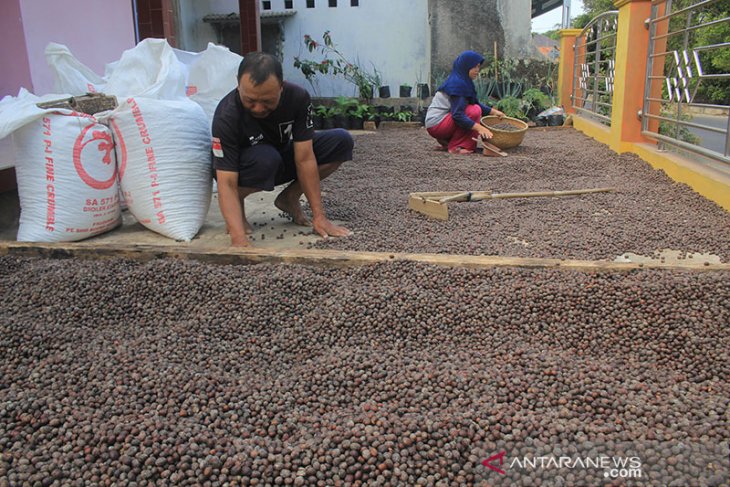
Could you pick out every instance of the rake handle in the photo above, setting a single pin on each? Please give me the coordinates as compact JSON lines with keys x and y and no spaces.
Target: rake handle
{"x":485,"y":195}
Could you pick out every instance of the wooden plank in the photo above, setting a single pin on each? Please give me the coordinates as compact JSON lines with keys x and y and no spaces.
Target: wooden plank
{"x":428,"y":207}
{"x":330,"y":258}
{"x":489,"y":150}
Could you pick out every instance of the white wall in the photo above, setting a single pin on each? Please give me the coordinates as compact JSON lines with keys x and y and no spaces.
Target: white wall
{"x":96,"y":32}
{"x":392,"y":35}
{"x":195,"y":34}
{"x":516,"y":21}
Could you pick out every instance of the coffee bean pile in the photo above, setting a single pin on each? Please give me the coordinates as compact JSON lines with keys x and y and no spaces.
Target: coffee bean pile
{"x":648,"y":213}
{"x":505,"y":127}
{"x":116,"y":372}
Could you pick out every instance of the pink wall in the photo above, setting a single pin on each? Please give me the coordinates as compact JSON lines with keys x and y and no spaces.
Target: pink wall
{"x":13,"y":58}
{"x":96,"y":32}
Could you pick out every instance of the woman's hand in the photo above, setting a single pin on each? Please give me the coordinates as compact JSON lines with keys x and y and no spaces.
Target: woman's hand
{"x":496,"y":113}
{"x":484,"y":132}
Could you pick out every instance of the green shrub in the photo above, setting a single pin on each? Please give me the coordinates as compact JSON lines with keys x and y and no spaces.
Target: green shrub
{"x":512,"y":107}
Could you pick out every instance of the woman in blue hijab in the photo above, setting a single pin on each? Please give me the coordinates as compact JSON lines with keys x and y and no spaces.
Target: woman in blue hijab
{"x":454,"y":116}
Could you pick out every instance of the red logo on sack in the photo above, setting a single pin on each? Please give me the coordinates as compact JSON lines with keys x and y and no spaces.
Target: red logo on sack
{"x":190,"y":90}
{"x":103,"y":142}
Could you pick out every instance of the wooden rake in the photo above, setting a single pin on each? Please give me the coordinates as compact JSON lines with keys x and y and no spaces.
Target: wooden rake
{"x":434,"y":204}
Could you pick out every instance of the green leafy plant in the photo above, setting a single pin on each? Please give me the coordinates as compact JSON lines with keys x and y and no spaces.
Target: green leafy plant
{"x":324,"y":111}
{"x":404,"y":116}
{"x":485,"y":88}
{"x":535,"y":100}
{"x":335,"y":63}
{"x":512,"y":107}
{"x":344,"y":105}
{"x":363,"y":111}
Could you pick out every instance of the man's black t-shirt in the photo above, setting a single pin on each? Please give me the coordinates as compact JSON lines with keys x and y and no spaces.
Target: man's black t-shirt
{"x":235,"y":129}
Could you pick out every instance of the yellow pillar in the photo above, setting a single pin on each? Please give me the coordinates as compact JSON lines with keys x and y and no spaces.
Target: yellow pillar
{"x":565,"y":69}
{"x":632,"y":45}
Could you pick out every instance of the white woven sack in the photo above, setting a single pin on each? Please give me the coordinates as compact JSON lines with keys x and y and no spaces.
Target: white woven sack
{"x":65,"y":167}
{"x":67,"y":178}
{"x":70,"y":75}
{"x":150,"y":69}
{"x":164,"y":152}
{"x":210,"y":75}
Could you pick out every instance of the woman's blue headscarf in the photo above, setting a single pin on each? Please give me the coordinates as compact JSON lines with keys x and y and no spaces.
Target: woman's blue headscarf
{"x":459,"y":83}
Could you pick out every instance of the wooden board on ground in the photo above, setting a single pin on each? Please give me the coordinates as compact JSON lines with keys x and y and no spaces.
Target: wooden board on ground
{"x":330,"y":258}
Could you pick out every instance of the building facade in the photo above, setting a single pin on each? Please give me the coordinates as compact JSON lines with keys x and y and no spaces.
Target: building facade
{"x":406,"y":41}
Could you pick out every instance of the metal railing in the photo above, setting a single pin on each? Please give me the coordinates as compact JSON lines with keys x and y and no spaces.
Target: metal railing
{"x":682,"y":80}
{"x":594,"y":68}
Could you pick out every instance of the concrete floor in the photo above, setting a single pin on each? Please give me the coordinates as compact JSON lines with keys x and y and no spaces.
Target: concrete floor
{"x":272,"y":228}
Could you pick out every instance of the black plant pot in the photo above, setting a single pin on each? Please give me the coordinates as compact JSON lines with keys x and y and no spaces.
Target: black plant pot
{"x":340,"y":121}
{"x":328,"y":123}
{"x":356,"y":123}
{"x":384,"y":92}
{"x":423,"y":91}
{"x":405,"y":91}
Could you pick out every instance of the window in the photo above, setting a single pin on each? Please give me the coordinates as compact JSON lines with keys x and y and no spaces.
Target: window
{"x":354,"y":3}
{"x":333,"y":3}
{"x":288,"y":4}
{"x":310,"y":3}
{"x":267,"y":5}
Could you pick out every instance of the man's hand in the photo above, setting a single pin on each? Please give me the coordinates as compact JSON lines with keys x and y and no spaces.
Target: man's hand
{"x":240,"y":242}
{"x":326,"y":228}
{"x":496,"y":113}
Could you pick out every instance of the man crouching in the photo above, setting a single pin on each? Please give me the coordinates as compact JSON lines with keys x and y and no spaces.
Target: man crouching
{"x":263,"y":136}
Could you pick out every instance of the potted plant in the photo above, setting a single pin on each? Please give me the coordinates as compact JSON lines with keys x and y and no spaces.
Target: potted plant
{"x":343,"y":108}
{"x":319,"y":115}
{"x":405,"y":90}
{"x":423,"y":91}
{"x":403,"y":116}
{"x":338,"y":64}
{"x":328,"y":116}
{"x":383,"y":91}
{"x":535,"y":101}
{"x":359,"y":113}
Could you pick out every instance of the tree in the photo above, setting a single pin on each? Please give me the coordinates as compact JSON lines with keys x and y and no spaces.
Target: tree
{"x":592,"y":8}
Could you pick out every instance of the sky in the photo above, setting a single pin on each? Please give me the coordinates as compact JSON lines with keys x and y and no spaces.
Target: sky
{"x":549,"y":20}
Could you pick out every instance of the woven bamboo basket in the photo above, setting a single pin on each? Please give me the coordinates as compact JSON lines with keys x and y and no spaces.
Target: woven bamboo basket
{"x":505,"y":139}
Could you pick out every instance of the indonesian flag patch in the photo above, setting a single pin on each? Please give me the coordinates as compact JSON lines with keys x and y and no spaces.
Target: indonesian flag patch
{"x":217,"y":149}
